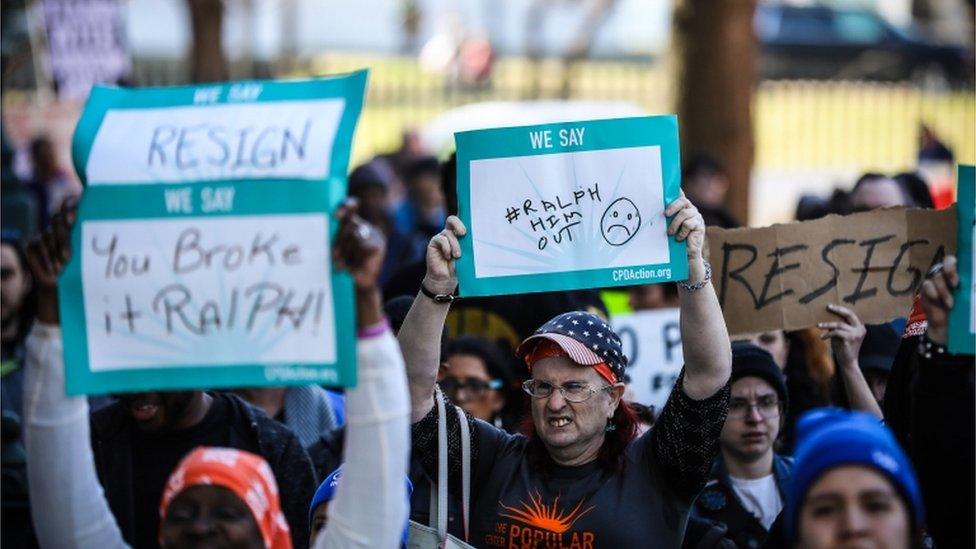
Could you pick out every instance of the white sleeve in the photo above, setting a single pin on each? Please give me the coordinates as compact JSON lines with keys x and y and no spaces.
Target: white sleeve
{"x":370,"y":508}
{"x":66,"y":499}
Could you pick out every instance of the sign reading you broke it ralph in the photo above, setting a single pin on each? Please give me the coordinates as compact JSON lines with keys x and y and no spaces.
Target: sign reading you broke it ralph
{"x":783,"y":276}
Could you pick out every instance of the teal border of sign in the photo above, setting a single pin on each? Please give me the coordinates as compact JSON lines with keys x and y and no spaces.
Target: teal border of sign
{"x":252,"y":197}
{"x":600,"y":135}
{"x":961,"y":340}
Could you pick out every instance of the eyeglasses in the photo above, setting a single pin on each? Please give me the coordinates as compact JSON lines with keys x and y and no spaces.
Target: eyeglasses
{"x":572,"y":391}
{"x":473,"y":386}
{"x":740,"y":408}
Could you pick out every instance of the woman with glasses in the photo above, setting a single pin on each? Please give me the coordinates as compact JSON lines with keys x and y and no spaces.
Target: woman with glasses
{"x":745,"y":492}
{"x":478,"y":378}
{"x":580,"y":478}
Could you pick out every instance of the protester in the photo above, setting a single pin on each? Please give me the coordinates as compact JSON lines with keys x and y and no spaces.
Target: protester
{"x":579,"y":477}
{"x":876,"y":357}
{"x":943,"y":418}
{"x":307,"y":410}
{"x":931,"y":148}
{"x":19,"y":212}
{"x":748,"y":481}
{"x":422,"y":214}
{"x":851,"y":485}
{"x":916,"y":188}
{"x":846,"y":336}
{"x":776,"y":343}
{"x":809,"y":375}
{"x":874,"y":190}
{"x":318,"y":511}
{"x":368,"y":511}
{"x":222,"y":495}
{"x":647,"y":297}
{"x":706,"y":182}
{"x":49,"y":182}
{"x":17,"y":308}
{"x":138,"y":440}
{"x":478,"y":377}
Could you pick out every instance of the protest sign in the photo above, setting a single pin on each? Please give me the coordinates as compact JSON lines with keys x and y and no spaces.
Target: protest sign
{"x":962,"y":318}
{"x":201,"y":253}
{"x":86,"y":45}
{"x":782,"y":277}
{"x":651,"y":341}
{"x":568,"y":206}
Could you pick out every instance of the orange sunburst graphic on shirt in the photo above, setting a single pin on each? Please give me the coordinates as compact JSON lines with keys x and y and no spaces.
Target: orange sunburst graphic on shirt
{"x":538,"y":514}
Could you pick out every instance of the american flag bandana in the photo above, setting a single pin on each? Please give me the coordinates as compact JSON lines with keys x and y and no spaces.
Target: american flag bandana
{"x":585,"y":337}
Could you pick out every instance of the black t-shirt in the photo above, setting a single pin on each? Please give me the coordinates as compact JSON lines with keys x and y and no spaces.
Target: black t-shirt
{"x":156,"y":454}
{"x":514,"y":503}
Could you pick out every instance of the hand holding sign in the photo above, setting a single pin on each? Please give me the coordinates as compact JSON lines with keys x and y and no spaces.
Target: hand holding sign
{"x":442,"y":253}
{"x":687,"y":224}
{"x":359,"y":247}
{"x":846,"y":335}
{"x":47,"y":255}
{"x":937,"y":301}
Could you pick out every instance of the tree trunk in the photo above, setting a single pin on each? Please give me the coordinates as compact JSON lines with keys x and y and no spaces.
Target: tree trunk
{"x":207,"y":60}
{"x":717,"y":50}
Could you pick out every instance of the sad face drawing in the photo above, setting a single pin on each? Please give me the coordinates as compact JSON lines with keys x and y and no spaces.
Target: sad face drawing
{"x":620,"y":222}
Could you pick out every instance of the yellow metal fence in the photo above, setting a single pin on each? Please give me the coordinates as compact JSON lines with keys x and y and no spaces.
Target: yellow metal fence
{"x":798,"y":124}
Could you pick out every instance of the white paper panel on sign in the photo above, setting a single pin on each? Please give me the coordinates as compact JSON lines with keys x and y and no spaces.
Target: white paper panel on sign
{"x":568,"y":212}
{"x":287,"y":139}
{"x":217,"y":291}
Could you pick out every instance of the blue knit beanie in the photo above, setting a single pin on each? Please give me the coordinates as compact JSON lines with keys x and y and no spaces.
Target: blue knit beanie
{"x":326,"y":491}
{"x":829,"y":438}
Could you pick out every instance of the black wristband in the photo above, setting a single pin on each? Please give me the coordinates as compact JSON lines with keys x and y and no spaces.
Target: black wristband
{"x":438,"y":298}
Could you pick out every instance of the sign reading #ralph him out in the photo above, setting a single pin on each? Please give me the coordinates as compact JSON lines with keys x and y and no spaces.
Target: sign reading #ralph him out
{"x":202,"y":247}
{"x":568,"y":206}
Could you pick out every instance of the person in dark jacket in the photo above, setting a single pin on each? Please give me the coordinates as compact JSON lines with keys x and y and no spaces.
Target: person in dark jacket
{"x":942,"y":419}
{"x":139,"y":440}
{"x":748,"y":481}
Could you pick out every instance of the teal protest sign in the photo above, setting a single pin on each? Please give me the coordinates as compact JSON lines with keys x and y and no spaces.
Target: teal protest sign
{"x":568,"y":206}
{"x":962,"y":318}
{"x":201,"y":254}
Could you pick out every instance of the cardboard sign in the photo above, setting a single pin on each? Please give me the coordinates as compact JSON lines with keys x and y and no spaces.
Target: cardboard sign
{"x":568,"y":206}
{"x":202,"y":250}
{"x":962,"y":318}
{"x":782,"y":277}
{"x":651,"y":341}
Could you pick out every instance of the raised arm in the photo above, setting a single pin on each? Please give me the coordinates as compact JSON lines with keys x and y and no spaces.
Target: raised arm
{"x":846,"y":336}
{"x":370,"y":508}
{"x":420,"y":334}
{"x":67,"y":502}
{"x":704,"y":337}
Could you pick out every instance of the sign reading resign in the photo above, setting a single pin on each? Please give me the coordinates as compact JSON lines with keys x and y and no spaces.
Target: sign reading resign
{"x":962,"y":318}
{"x":782,"y":277}
{"x":202,"y":253}
{"x":651,"y":341}
{"x":567,"y":206}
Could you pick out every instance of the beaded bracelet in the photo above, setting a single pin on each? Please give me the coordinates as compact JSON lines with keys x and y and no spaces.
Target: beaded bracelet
{"x":701,"y":283}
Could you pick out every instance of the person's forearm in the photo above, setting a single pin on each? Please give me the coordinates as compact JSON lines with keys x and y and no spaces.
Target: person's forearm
{"x":67,"y":503}
{"x":859,"y":394}
{"x":420,"y":340}
{"x":370,"y":508}
{"x":704,"y":338}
